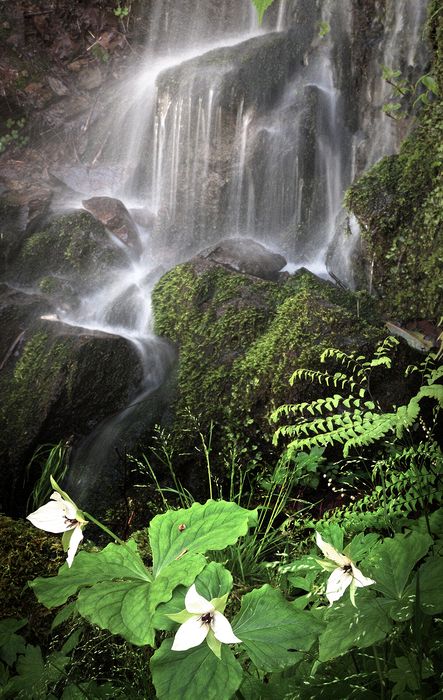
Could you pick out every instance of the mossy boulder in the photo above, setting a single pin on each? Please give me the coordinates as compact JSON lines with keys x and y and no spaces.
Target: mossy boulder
{"x":58,"y":384}
{"x":399,"y":205}
{"x":75,"y":251}
{"x":240,"y":339}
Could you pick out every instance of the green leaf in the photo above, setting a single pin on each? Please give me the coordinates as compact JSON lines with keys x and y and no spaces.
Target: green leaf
{"x":121,"y":607}
{"x":63,"y":615}
{"x":33,"y":675}
{"x":408,"y":673}
{"x":127,"y":607}
{"x":430,"y":83}
{"x":116,"y":590}
{"x":210,"y":526}
{"x":361,"y":545}
{"x":261,"y":7}
{"x":393,"y":559}
{"x":332,"y":533}
{"x":113,"y":562}
{"x":11,"y":644}
{"x":348,"y":627}
{"x":430,"y":586}
{"x":272,"y":630}
{"x":196,"y":673}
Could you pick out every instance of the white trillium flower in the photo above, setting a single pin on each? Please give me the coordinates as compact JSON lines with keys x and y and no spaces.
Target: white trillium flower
{"x":61,"y":515}
{"x":201,"y":620}
{"x":345,"y":575}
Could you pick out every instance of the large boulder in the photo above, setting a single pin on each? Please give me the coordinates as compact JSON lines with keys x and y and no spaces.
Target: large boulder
{"x":247,"y":256}
{"x":71,"y":255}
{"x":212,"y":94}
{"x":240,"y":339}
{"x":56,"y":383}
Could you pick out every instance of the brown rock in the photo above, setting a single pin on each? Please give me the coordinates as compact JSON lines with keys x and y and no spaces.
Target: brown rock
{"x":113,"y":214}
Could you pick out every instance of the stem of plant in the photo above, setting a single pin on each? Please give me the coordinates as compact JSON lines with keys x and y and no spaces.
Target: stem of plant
{"x":103,"y":527}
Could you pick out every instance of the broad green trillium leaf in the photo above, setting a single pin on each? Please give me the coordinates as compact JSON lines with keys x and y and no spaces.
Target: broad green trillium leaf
{"x":127,"y":607}
{"x":195,"y":673}
{"x":393,"y":560}
{"x":203,"y":527}
{"x":348,"y":627}
{"x":272,"y":631}
{"x":116,"y":589}
{"x":113,"y":562}
{"x":430,"y":578}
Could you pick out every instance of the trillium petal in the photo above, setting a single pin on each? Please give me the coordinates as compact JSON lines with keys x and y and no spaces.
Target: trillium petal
{"x":68,"y":508}
{"x":330,"y":552}
{"x":338,"y":582}
{"x":50,"y":517}
{"x":222,"y":629}
{"x":76,"y":538}
{"x":195,"y":603}
{"x":190,"y":634}
{"x":360,"y":580}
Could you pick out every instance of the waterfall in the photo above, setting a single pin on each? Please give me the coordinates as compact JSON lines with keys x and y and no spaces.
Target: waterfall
{"x":224,"y":128}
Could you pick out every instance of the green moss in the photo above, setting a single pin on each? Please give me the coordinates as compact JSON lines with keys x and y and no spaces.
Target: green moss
{"x":240,"y":339}
{"x":28,"y":391}
{"x":399,"y":204}
{"x":26,"y":553}
{"x":76,"y":246}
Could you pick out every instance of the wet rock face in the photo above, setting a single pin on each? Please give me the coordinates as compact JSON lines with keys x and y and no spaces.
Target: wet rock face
{"x":56,"y":383}
{"x":113,"y":214}
{"x":177,"y":22}
{"x":21,"y":213}
{"x":247,"y":256}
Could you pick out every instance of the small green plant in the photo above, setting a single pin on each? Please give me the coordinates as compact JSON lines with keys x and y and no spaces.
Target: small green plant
{"x":261,"y":6}
{"x":423,"y":91}
{"x":324,"y":29}
{"x":120,"y":11}
{"x":55,"y":463}
{"x":14,"y":135}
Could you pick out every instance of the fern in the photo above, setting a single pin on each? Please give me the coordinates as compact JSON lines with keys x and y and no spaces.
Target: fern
{"x":405,"y":483}
{"x":353,"y":421}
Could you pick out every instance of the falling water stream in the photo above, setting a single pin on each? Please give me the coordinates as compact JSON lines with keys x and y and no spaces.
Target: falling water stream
{"x":228,"y":129}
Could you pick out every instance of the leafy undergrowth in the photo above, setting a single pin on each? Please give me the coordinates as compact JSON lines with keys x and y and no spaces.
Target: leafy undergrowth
{"x":266,"y":593}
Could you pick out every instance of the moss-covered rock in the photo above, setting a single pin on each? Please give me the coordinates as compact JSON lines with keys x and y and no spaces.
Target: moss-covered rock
{"x":399,"y":204}
{"x":240,"y":339}
{"x":74,"y":248}
{"x":58,"y":385}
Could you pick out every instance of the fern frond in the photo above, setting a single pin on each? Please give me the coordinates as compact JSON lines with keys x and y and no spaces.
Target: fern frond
{"x":311,"y":375}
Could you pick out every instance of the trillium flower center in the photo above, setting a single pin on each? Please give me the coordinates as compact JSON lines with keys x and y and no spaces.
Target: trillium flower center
{"x":347,"y":568}
{"x":71,"y":522}
{"x":207,"y":618}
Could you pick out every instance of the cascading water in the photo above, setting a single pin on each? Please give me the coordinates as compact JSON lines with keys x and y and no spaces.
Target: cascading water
{"x":228,"y":129}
